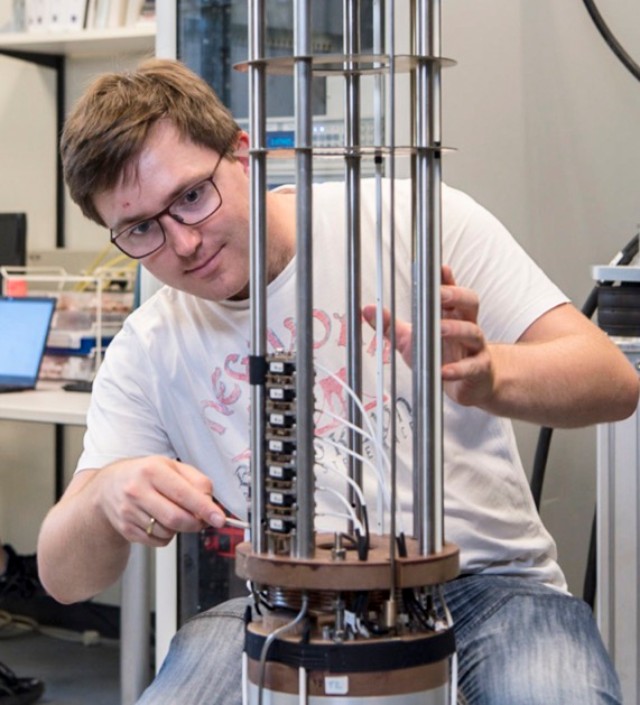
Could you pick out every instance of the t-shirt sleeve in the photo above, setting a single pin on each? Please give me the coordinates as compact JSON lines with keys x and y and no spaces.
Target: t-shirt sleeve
{"x":512,"y":289}
{"x":122,"y":421}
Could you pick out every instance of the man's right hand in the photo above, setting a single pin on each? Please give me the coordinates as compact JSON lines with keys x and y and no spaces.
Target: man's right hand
{"x":149,"y":500}
{"x":84,"y":541}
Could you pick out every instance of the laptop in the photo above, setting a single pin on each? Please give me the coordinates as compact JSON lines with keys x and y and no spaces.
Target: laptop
{"x":24,"y":328}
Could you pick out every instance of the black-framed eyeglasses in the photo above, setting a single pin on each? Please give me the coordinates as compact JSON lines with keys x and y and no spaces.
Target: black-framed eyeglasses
{"x":192,"y":207}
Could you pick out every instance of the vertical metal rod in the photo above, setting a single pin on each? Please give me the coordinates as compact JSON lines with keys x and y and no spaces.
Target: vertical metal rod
{"x":258,"y":312}
{"x":351,"y":39}
{"x":379,"y":114}
{"x":427,"y":360}
{"x":391,"y":48}
{"x":305,"y":539}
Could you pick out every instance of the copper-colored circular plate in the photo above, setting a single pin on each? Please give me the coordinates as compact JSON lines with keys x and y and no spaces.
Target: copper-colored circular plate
{"x":322,"y":572}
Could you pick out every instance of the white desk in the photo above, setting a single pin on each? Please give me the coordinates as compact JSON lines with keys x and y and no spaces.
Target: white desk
{"x":51,"y":404}
{"x":47,"y":404}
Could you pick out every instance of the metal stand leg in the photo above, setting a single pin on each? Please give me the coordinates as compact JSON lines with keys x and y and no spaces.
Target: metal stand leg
{"x":135,"y":667}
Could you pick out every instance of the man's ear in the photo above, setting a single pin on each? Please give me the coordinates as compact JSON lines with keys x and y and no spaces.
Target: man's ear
{"x":241,"y":150}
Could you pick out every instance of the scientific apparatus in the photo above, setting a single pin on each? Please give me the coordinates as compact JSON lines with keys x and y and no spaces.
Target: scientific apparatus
{"x":352,"y":613}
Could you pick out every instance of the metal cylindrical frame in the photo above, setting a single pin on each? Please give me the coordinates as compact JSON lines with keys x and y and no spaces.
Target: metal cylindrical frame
{"x":426,"y":146}
{"x":309,"y":570}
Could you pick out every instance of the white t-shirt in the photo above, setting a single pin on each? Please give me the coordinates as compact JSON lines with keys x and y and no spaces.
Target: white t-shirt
{"x":174,"y":381}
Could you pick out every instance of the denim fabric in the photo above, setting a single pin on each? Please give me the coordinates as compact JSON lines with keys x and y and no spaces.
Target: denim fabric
{"x":519,"y":643}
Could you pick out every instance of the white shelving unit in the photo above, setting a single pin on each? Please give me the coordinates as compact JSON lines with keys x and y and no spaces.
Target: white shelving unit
{"x":83,"y":43}
{"x":59,"y":50}
{"x":54,"y":50}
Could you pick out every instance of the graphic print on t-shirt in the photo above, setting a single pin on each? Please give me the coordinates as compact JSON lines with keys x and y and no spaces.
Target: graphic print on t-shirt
{"x":230,"y":396}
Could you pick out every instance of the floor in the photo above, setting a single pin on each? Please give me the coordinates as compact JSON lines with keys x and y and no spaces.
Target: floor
{"x":73,"y":673}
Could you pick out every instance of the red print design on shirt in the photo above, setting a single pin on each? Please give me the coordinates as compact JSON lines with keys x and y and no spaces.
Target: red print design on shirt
{"x":222,"y":402}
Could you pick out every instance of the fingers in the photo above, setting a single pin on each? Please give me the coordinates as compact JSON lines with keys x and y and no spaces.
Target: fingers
{"x":149,"y":500}
{"x":183,"y":500}
{"x":402,"y":329}
{"x":447,"y":276}
{"x":465,"y":335}
{"x":458,"y":302}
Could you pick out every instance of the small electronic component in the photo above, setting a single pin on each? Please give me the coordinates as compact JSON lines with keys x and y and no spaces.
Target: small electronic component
{"x":280,"y":485}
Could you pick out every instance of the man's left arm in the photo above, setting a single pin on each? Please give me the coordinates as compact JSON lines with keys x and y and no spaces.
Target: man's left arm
{"x":562,"y":372}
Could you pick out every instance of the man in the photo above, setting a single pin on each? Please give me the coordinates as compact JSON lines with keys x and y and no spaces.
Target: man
{"x":153,"y":156}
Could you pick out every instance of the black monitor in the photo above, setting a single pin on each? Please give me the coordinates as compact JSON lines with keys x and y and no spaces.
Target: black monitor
{"x":13,"y":240}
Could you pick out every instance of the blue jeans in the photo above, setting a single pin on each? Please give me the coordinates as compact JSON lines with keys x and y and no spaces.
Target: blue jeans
{"x":518,"y":643}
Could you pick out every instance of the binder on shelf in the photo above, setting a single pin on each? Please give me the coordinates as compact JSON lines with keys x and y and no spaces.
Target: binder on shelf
{"x":57,"y":15}
{"x":134,"y":10}
{"x":90,"y":16}
{"x":37,"y":14}
{"x":101,"y":14}
{"x":66,"y":15}
{"x":117,"y":13}
{"x":110,"y":14}
{"x":76,"y":11}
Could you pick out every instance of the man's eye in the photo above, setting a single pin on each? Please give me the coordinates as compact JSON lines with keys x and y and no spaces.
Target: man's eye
{"x":191,"y":197}
{"x":140,"y":229}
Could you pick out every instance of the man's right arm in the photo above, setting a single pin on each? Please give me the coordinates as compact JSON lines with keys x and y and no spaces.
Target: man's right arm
{"x":79,"y":552}
{"x":84,"y":541}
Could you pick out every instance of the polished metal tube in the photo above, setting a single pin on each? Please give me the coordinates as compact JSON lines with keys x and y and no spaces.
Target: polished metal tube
{"x":305,"y":536}
{"x":351,"y":39}
{"x":427,"y":356}
{"x":258,"y":259}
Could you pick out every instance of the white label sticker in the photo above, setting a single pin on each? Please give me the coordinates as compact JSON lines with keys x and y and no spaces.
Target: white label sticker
{"x":336,"y":685}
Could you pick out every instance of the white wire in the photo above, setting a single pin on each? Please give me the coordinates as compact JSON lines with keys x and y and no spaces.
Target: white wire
{"x":384,"y":496}
{"x":352,"y":483}
{"x":454,"y":656}
{"x":272,"y":637}
{"x":366,"y":461}
{"x":375,"y":440}
{"x":350,"y":392}
{"x":351,"y":512}
{"x":302,"y":685}
{"x":245,"y":678}
{"x":336,"y":515}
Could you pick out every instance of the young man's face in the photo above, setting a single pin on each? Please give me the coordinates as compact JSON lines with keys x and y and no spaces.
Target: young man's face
{"x":209,"y":259}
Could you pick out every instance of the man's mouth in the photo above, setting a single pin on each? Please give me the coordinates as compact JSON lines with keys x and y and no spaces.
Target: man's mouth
{"x":202,"y":266}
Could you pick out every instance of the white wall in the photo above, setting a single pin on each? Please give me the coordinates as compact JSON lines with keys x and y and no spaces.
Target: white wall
{"x":28,"y":147}
{"x":81,"y":233}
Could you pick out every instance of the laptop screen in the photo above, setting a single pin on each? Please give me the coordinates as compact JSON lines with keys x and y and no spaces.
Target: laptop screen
{"x":24,"y":327}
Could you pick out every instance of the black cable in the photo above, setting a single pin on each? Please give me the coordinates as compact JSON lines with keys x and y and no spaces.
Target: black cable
{"x":589,"y":585}
{"x":611,"y":40}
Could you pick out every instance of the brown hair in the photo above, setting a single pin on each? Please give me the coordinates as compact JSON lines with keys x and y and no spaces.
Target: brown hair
{"x":107,"y":128}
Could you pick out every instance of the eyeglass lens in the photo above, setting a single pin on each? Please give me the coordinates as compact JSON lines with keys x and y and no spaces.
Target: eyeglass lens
{"x":191,"y":208}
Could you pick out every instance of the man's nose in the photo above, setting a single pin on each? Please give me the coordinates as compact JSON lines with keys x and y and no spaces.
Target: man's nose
{"x":184,"y":239}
